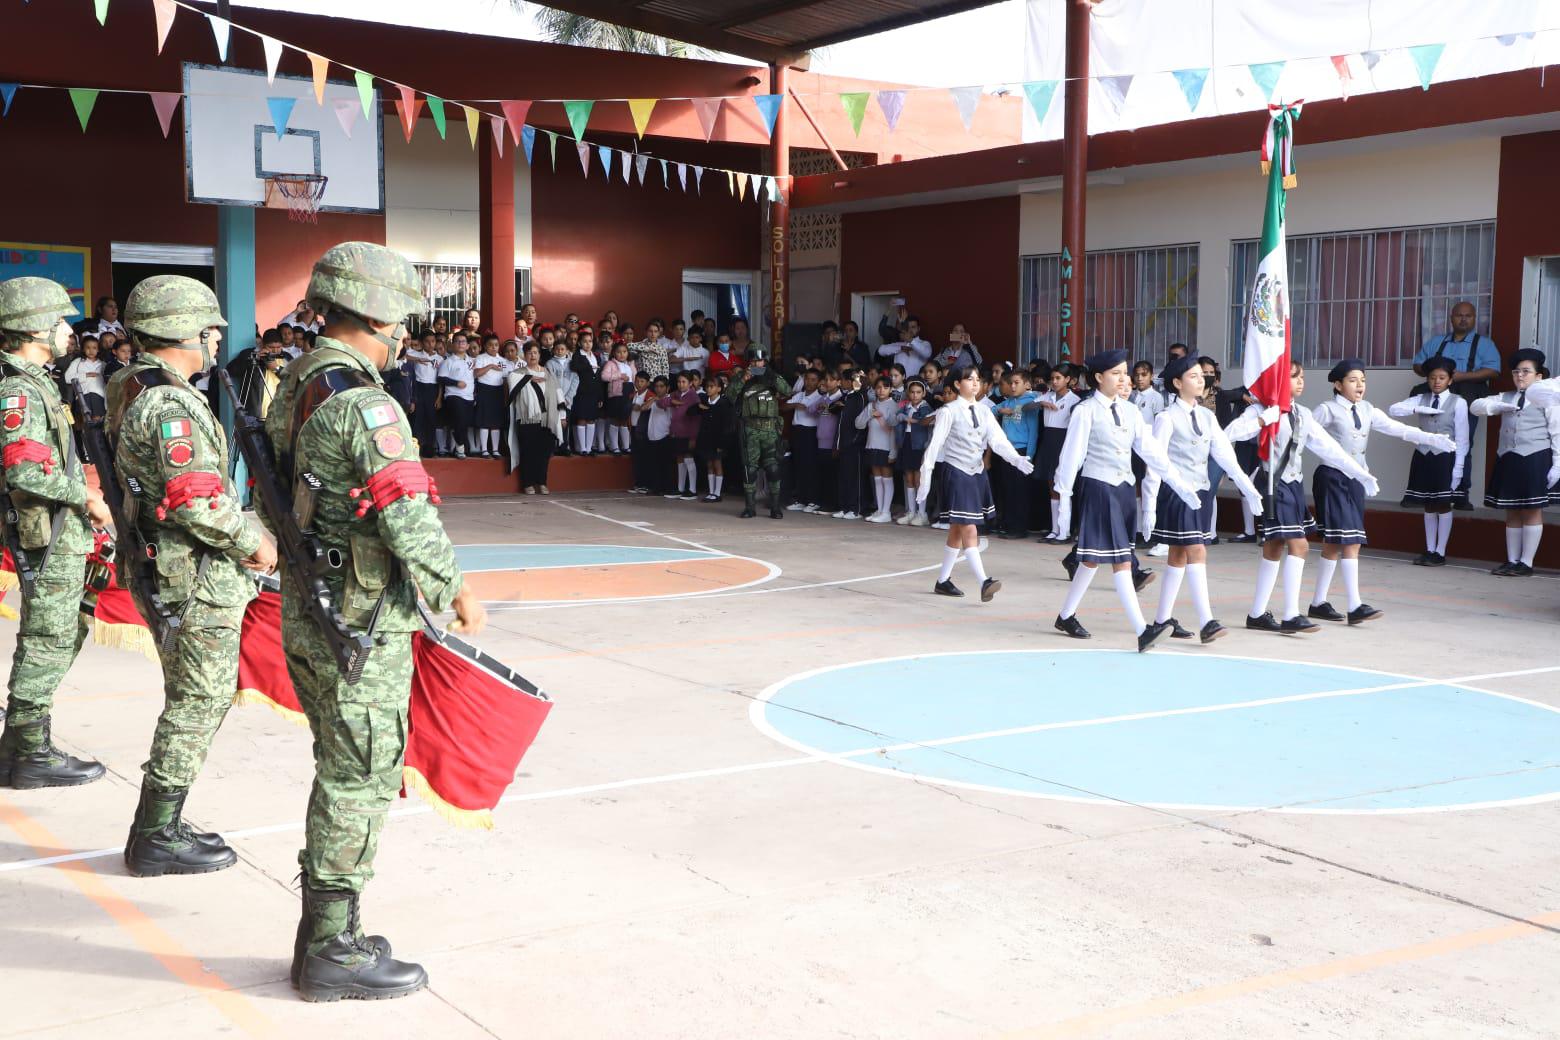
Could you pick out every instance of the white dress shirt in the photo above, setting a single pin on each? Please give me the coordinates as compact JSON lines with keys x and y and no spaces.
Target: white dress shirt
{"x":960,"y":436}
{"x":1058,"y":418}
{"x":425,"y":366}
{"x":1248,"y":425}
{"x":1104,"y":434}
{"x":1350,"y":424}
{"x":458,"y":368}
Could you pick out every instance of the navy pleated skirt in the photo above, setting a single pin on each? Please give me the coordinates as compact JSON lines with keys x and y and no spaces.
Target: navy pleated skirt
{"x":1176,"y":523}
{"x":1517,"y":482}
{"x":1106,"y":515}
{"x":1340,"y":506}
{"x":966,"y":498}
{"x":1288,"y":518}
{"x":1430,"y":479}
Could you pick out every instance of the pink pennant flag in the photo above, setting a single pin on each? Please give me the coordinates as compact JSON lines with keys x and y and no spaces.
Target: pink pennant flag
{"x":708,"y":110}
{"x":584,"y":151}
{"x":409,"y":105}
{"x":164,"y":102}
{"x":346,"y":113}
{"x":1345,"y":77}
{"x":164,"y":10}
{"x":514,"y":114}
{"x":497,"y":126}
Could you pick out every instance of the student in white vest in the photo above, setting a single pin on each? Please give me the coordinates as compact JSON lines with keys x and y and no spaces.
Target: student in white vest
{"x":1527,"y":462}
{"x":1434,"y":476}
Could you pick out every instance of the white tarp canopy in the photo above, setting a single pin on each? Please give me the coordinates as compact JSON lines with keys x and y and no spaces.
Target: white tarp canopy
{"x":1150,"y":59}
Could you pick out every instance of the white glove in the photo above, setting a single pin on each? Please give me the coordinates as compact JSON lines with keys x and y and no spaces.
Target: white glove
{"x":1372,"y":489}
{"x":1425,"y":409}
{"x":922,"y":491}
{"x":1552,"y":477}
{"x":1441,"y":442}
{"x":1495,"y":405}
{"x":1254,"y":501}
{"x":1192,"y":499}
{"x":1457,"y":475}
{"x":1024,"y":466}
{"x":1064,"y":514}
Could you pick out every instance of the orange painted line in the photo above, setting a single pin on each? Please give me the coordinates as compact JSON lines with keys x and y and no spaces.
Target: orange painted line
{"x":178,"y":961}
{"x":673,"y":578}
{"x":1163,"y":1006}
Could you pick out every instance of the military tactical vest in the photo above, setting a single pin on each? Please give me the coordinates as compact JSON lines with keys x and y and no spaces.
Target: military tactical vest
{"x":35,"y":516}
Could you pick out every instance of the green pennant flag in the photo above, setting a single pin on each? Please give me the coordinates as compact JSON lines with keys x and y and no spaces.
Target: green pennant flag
{"x":102,"y":10}
{"x":436,"y":109}
{"x":365,"y":85}
{"x":83,"y":98}
{"x":579,"y":116}
{"x":1426,"y":56}
{"x":1039,"y":94}
{"x":856,"y":107}
{"x":552,"y":148}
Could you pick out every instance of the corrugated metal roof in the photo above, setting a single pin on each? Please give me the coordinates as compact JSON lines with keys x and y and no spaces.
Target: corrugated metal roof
{"x":770,"y":30}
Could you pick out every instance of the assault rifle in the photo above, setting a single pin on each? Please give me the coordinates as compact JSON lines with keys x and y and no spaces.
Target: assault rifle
{"x":305,"y":555}
{"x":165,"y":624}
{"x":26,"y":575}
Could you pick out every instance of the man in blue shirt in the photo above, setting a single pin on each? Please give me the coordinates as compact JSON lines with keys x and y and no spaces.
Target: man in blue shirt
{"x":1478,"y":363}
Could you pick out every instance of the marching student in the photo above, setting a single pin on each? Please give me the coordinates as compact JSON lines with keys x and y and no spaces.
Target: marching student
{"x":1527,"y":461}
{"x":1105,"y":432}
{"x":588,"y":393}
{"x":1349,"y":419}
{"x":1191,"y":435}
{"x":684,"y":431}
{"x":915,"y":431}
{"x":617,"y":376}
{"x":1433,"y":477}
{"x":963,"y":430}
{"x":1056,"y":406}
{"x":1284,"y":518}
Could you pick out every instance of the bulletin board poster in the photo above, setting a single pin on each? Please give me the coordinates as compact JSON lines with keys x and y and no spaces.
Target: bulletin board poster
{"x":71,"y":266}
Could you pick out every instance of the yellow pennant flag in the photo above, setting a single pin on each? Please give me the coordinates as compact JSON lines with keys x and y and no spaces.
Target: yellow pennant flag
{"x":742,"y":180}
{"x":321,"y":67}
{"x":640,"y":109}
{"x":473,"y":120}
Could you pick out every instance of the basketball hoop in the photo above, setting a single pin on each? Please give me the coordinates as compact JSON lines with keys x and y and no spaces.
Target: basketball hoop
{"x":298,"y":193}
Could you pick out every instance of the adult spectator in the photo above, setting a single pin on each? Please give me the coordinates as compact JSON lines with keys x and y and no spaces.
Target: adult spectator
{"x":105,"y":318}
{"x":888,"y":332}
{"x":740,"y":340}
{"x":959,"y":351}
{"x":471,"y":323}
{"x":1478,"y":364}
{"x":829,"y":348}
{"x":855,"y":348}
{"x":256,"y":373}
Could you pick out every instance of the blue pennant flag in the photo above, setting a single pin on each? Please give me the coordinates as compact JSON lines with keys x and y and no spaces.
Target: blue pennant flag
{"x":606,"y":159}
{"x":528,"y":139}
{"x":1266,"y":76}
{"x":281,"y":111}
{"x":1191,"y":82}
{"x":769,"y":108}
{"x":7,"y":92}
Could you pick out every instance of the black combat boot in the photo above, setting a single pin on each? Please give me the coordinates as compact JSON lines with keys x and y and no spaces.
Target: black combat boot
{"x":750,"y":503}
{"x":301,"y":941}
{"x":29,"y":759}
{"x":338,"y":964}
{"x":162,"y":843}
{"x":776,"y":510}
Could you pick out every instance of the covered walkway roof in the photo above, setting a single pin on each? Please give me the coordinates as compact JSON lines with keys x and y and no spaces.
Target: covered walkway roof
{"x":774,"y":31}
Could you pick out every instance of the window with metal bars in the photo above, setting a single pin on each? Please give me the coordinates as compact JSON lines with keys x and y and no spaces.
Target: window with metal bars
{"x":1546,"y":315}
{"x":1376,"y":295}
{"x":449,"y":290}
{"x":1139,"y":300}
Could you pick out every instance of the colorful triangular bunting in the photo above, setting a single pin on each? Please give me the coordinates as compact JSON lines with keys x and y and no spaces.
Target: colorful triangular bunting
{"x":682,"y":176}
{"x":346,"y":113}
{"x":579,"y":116}
{"x":708,"y":110}
{"x":1426,"y":56}
{"x":1039,"y":93}
{"x":731,"y":183}
{"x":101,"y":7}
{"x":281,"y":111}
{"x":496,"y":125}
{"x":8,"y":93}
{"x":605,"y":155}
{"x":436,"y":110}
{"x":639,"y":110}
{"x":1340,"y":62}
{"x":164,"y":101}
{"x":666,"y":179}
{"x":528,"y":139}
{"x":855,"y":104}
{"x":1191,"y":82}
{"x":1372,"y":59}
{"x":742,"y":183}
{"x":552,"y":148}
{"x":967,"y":99}
{"x":1265,"y":74}
{"x":892,"y":104}
{"x":408,"y":106}
{"x":365,"y":85}
{"x":1116,"y":89}
{"x":164,"y":11}
{"x":473,"y":120}
{"x":514,"y":114}
{"x":273,"y":56}
{"x":83,"y":98}
{"x":220,"y":29}
{"x":319,"y":68}
{"x":640,"y":162}
{"x":698,"y":180}
{"x":584,"y":153}
{"x":768,"y":109}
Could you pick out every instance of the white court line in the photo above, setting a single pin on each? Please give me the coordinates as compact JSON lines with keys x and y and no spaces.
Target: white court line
{"x":641,"y":528}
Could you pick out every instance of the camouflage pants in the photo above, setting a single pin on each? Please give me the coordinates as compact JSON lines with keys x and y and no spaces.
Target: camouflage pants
{"x":761,"y":451}
{"x":50,"y":635}
{"x":200,"y":676}
{"x":359,"y":746}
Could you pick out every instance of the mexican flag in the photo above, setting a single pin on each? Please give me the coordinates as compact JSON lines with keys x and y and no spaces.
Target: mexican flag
{"x":1266,"y":365}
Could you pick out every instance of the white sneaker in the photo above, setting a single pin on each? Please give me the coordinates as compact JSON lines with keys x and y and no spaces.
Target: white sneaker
{"x":530,"y":491}
{"x":541,"y":489}
{"x":849,"y":515}
{"x":1160,"y":550}
{"x":919,"y":520}
{"x":460,"y":453}
{"x":879,"y":518}
{"x":939,"y":527}
{"x":794,"y":506}
{"x":811,"y":507}
{"x":838,"y":515}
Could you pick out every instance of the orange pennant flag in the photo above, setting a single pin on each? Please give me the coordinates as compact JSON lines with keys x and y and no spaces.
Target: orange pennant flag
{"x":321,"y":67}
{"x":164,"y":10}
{"x":410,"y":107}
{"x":514,"y":114}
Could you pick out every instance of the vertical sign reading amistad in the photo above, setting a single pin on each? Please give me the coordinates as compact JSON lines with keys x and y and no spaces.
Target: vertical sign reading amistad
{"x":1066,"y":307}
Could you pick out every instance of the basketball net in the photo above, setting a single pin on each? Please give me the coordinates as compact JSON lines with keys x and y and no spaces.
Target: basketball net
{"x":298,"y":193}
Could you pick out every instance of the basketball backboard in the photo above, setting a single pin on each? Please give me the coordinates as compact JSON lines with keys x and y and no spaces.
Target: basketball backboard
{"x":231,"y":145}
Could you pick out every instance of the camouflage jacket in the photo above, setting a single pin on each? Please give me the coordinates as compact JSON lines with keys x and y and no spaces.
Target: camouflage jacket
{"x":172,"y":460}
{"x":40,"y":466}
{"x":333,"y":420}
{"x":758,"y":397}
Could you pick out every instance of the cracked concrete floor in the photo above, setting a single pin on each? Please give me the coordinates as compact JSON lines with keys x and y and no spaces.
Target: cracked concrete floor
{"x":663,"y":869}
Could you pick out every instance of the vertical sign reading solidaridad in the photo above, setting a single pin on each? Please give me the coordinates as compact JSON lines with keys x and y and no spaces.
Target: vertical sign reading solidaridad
{"x":777,"y":266}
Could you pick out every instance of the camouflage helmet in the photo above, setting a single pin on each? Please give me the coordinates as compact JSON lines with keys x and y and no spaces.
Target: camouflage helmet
{"x":757,"y":353}
{"x":375,"y":283}
{"x":31,"y":304}
{"x":172,"y":307}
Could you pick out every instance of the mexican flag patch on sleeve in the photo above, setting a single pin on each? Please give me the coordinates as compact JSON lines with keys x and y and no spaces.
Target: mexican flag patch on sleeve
{"x":377,"y":415}
{"x":8,"y":403}
{"x":176,"y":428}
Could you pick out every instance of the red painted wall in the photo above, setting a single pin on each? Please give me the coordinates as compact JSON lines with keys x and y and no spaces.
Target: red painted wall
{"x":1526,"y":224}
{"x":597,"y":246}
{"x":953,"y":262}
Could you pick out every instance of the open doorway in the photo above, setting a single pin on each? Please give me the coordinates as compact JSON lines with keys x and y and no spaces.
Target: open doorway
{"x":720,"y":294}
{"x":868,"y":310}
{"x":134,"y":262}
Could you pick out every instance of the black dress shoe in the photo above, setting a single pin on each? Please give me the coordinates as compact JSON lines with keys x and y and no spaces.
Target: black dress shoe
{"x":1298,"y":625}
{"x":747,"y":514}
{"x":1176,"y":631}
{"x":1141,"y":579}
{"x":1436,"y":560}
{"x":1504,"y":570}
{"x":1521,"y":570}
{"x":1150,"y":635}
{"x":1071,"y":626}
{"x":1213,"y":630}
{"x":1244,"y":539}
{"x":1266,"y":623}
{"x":1324,"y":612}
{"x":1214,"y":540}
{"x":1423,"y":559}
{"x":1363,"y":613}
{"x":1070,"y":562}
{"x":989,"y":588}
{"x":947,"y":588}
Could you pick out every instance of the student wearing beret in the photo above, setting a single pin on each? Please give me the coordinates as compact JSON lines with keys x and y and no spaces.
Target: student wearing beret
{"x":1527,"y":460}
{"x":1349,"y":419}
{"x":1434,"y":476}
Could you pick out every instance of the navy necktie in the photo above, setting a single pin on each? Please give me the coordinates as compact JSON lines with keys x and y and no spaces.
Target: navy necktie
{"x":1113,"y":414}
{"x":1355,"y":410}
{"x":1522,"y":400}
{"x":1195,"y":429}
{"x":1435,"y":402}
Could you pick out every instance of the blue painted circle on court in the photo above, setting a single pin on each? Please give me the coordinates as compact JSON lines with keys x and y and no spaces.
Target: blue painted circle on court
{"x":1174,"y":730}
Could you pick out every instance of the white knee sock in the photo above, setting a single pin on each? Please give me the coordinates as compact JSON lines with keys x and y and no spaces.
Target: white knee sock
{"x":1432,"y":526}
{"x":972,"y":557}
{"x":1248,"y":519}
{"x":441,"y":439}
{"x":1056,"y":515}
{"x":1443,"y":534}
{"x":1513,"y":544}
{"x":1168,"y":590}
{"x":693,"y":474}
{"x":950,"y":557}
{"x":717,"y":483}
{"x":885,"y":493}
{"x":1324,"y":577}
{"x":1530,"y":537}
{"x":1294,"y":572}
{"x":1129,"y":601}
{"x":1075,"y":591}
{"x":602,"y":426}
{"x":1197,"y":582}
{"x":582,"y":438}
{"x":1267,"y":577}
{"x":1350,"y":569}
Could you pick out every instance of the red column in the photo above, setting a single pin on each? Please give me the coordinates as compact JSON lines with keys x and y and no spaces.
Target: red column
{"x":780,"y":214}
{"x":1075,"y":175}
{"x":496,"y":217}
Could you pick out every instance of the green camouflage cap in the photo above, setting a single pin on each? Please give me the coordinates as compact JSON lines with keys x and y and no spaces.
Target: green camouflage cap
{"x":172,"y":307}
{"x":757,"y":353}
{"x":31,"y":304}
{"x":375,"y":283}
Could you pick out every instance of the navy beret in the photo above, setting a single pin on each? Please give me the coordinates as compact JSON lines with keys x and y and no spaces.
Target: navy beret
{"x":1106,"y":360}
{"x":1532,"y":354}
{"x":1342,"y":369}
{"x":1177,"y":368}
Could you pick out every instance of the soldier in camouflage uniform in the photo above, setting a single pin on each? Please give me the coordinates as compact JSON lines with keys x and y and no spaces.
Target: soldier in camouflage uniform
{"x":374,"y":504}
{"x":759,"y":392}
{"x":172,"y":460}
{"x":54,"y":512}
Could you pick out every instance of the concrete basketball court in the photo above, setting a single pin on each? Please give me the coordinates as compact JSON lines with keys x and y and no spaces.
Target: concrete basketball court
{"x":787,"y":792}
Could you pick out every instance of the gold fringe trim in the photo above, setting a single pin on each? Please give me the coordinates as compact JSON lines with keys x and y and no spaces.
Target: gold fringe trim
{"x":9,"y":613}
{"x":7,"y":581}
{"x":246,"y":697}
{"x":470,"y":819}
{"x":1291,"y":181}
{"x":1267,"y":167}
{"x":132,"y":637}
